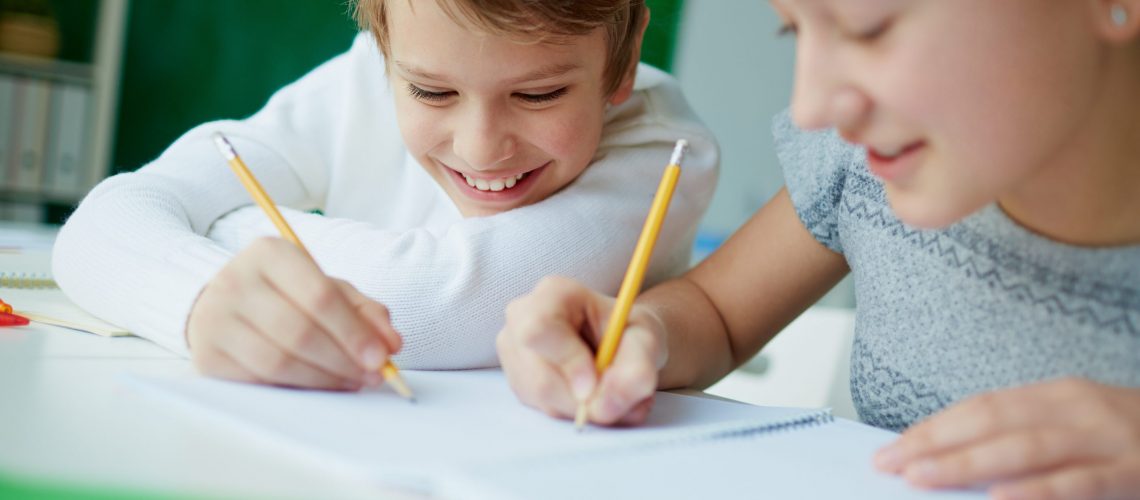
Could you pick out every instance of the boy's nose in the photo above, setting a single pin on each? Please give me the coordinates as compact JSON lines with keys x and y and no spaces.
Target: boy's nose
{"x":484,"y":142}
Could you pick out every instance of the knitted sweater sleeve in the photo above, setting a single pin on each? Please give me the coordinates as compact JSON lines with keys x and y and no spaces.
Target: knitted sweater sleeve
{"x":447,"y":287}
{"x":135,"y":252}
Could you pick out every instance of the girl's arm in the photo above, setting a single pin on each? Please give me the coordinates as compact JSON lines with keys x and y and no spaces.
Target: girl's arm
{"x":721,"y":313}
{"x":686,"y":332}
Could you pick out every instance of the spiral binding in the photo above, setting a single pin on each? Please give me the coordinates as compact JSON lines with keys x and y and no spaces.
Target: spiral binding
{"x":711,"y":432}
{"x":26,"y":280}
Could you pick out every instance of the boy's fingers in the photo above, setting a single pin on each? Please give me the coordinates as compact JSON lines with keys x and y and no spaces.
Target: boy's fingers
{"x":294,"y":332}
{"x":375,"y":314}
{"x":323,"y":300}
{"x":218,"y":364}
{"x":269,"y":364}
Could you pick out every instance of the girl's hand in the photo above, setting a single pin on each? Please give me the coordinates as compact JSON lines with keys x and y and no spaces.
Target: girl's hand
{"x":547,"y":352}
{"x":271,"y":316}
{"x":1069,"y":439}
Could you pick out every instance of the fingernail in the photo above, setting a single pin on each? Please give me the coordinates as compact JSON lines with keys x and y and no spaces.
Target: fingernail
{"x":372,"y":357}
{"x":582,"y":385}
{"x":924,"y":472}
{"x":605,"y":409}
{"x":1006,"y":492}
{"x":888,"y":459}
{"x":373,"y":379}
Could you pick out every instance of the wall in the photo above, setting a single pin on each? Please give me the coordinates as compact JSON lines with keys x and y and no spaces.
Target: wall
{"x":737,"y":74}
{"x":191,"y":61}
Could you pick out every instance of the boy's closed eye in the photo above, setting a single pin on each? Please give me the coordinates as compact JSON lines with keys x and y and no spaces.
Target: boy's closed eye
{"x":432,"y":96}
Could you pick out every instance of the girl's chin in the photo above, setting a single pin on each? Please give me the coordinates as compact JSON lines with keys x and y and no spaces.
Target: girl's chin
{"x":927,"y":210}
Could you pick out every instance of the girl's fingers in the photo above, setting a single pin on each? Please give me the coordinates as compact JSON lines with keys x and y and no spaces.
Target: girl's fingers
{"x":537,"y":383}
{"x":1012,"y":454}
{"x":974,"y":419}
{"x":629,"y":380}
{"x":548,"y":323}
{"x":1080,"y":482}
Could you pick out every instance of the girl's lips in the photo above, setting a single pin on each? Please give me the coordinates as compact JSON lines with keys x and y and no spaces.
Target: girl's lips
{"x":895,"y":167}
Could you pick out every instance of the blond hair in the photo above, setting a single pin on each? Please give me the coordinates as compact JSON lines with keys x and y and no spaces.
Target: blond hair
{"x":536,"y":21}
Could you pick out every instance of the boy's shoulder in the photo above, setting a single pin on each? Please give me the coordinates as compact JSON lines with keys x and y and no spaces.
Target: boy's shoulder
{"x":657,"y":111}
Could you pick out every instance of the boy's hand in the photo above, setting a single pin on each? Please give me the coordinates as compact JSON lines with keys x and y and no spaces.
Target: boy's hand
{"x":1068,"y":438}
{"x":271,"y":316}
{"x":546,"y":352}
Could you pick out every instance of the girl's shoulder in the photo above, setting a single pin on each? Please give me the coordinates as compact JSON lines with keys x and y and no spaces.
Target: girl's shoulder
{"x":818,"y":166}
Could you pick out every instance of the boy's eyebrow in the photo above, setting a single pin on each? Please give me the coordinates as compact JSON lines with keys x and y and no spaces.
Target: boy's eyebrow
{"x":548,"y":71}
{"x":542,"y":73}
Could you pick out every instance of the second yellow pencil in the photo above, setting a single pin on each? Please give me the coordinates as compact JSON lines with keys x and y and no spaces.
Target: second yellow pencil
{"x":635,"y":274}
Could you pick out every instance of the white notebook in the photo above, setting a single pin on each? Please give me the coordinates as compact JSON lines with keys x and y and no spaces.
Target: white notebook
{"x":468,"y":436}
{"x":26,"y":285}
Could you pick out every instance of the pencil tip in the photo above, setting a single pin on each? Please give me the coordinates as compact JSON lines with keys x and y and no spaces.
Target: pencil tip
{"x":580,"y":418}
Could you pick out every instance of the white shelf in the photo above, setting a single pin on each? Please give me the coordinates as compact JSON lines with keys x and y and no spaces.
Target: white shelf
{"x":100,"y":78}
{"x":46,"y":69}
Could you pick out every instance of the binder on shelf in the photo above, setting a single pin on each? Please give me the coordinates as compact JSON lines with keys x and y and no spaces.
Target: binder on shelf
{"x":26,"y":173}
{"x":69,"y":126}
{"x":7,"y":119}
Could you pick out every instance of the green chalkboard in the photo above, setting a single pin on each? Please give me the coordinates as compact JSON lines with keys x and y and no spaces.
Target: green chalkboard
{"x":191,"y":61}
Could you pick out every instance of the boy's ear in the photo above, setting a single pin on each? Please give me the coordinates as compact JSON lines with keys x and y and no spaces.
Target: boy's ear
{"x":1118,"y":21}
{"x":625,"y":89}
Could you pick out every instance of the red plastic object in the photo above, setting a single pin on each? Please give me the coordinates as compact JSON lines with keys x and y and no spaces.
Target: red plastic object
{"x":9,"y":319}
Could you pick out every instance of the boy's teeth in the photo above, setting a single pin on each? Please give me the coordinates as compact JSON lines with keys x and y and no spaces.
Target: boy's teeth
{"x":493,"y":184}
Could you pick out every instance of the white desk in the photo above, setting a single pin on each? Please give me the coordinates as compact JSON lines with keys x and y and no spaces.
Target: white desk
{"x":64,"y":418}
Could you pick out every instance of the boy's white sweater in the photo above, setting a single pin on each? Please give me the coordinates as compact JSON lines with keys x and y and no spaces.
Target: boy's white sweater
{"x":142,"y":245}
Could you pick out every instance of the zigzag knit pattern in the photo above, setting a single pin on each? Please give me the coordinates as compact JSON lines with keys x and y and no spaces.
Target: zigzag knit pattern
{"x":946,"y":314}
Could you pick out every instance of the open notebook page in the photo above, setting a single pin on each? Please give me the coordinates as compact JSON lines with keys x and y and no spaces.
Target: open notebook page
{"x":461,"y":419}
{"x":47,"y":305}
{"x":828,"y":460}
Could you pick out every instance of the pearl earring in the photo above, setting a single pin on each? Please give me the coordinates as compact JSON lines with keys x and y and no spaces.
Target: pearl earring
{"x":1119,"y":15}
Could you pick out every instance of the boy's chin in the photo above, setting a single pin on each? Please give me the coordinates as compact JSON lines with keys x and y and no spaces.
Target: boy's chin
{"x":470,"y":210}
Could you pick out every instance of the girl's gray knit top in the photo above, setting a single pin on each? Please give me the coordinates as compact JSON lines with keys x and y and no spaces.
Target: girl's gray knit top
{"x":980,"y":305}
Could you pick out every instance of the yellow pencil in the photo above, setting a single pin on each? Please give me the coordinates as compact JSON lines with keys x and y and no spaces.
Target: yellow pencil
{"x":389,"y":371}
{"x":634,"y":276}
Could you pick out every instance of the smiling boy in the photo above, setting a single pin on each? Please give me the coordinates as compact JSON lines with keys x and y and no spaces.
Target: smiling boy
{"x":458,"y":152}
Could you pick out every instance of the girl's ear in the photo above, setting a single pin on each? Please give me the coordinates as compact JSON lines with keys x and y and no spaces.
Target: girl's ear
{"x":625,"y":89}
{"x":1118,"y":21}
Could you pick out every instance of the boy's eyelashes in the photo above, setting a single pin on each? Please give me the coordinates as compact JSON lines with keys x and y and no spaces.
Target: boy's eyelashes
{"x":787,"y":29}
{"x":427,"y":95}
{"x":435,"y":97}
{"x":542,"y":98}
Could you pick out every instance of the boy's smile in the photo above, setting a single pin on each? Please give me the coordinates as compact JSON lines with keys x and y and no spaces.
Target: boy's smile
{"x":498,"y":122}
{"x":504,"y":189}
